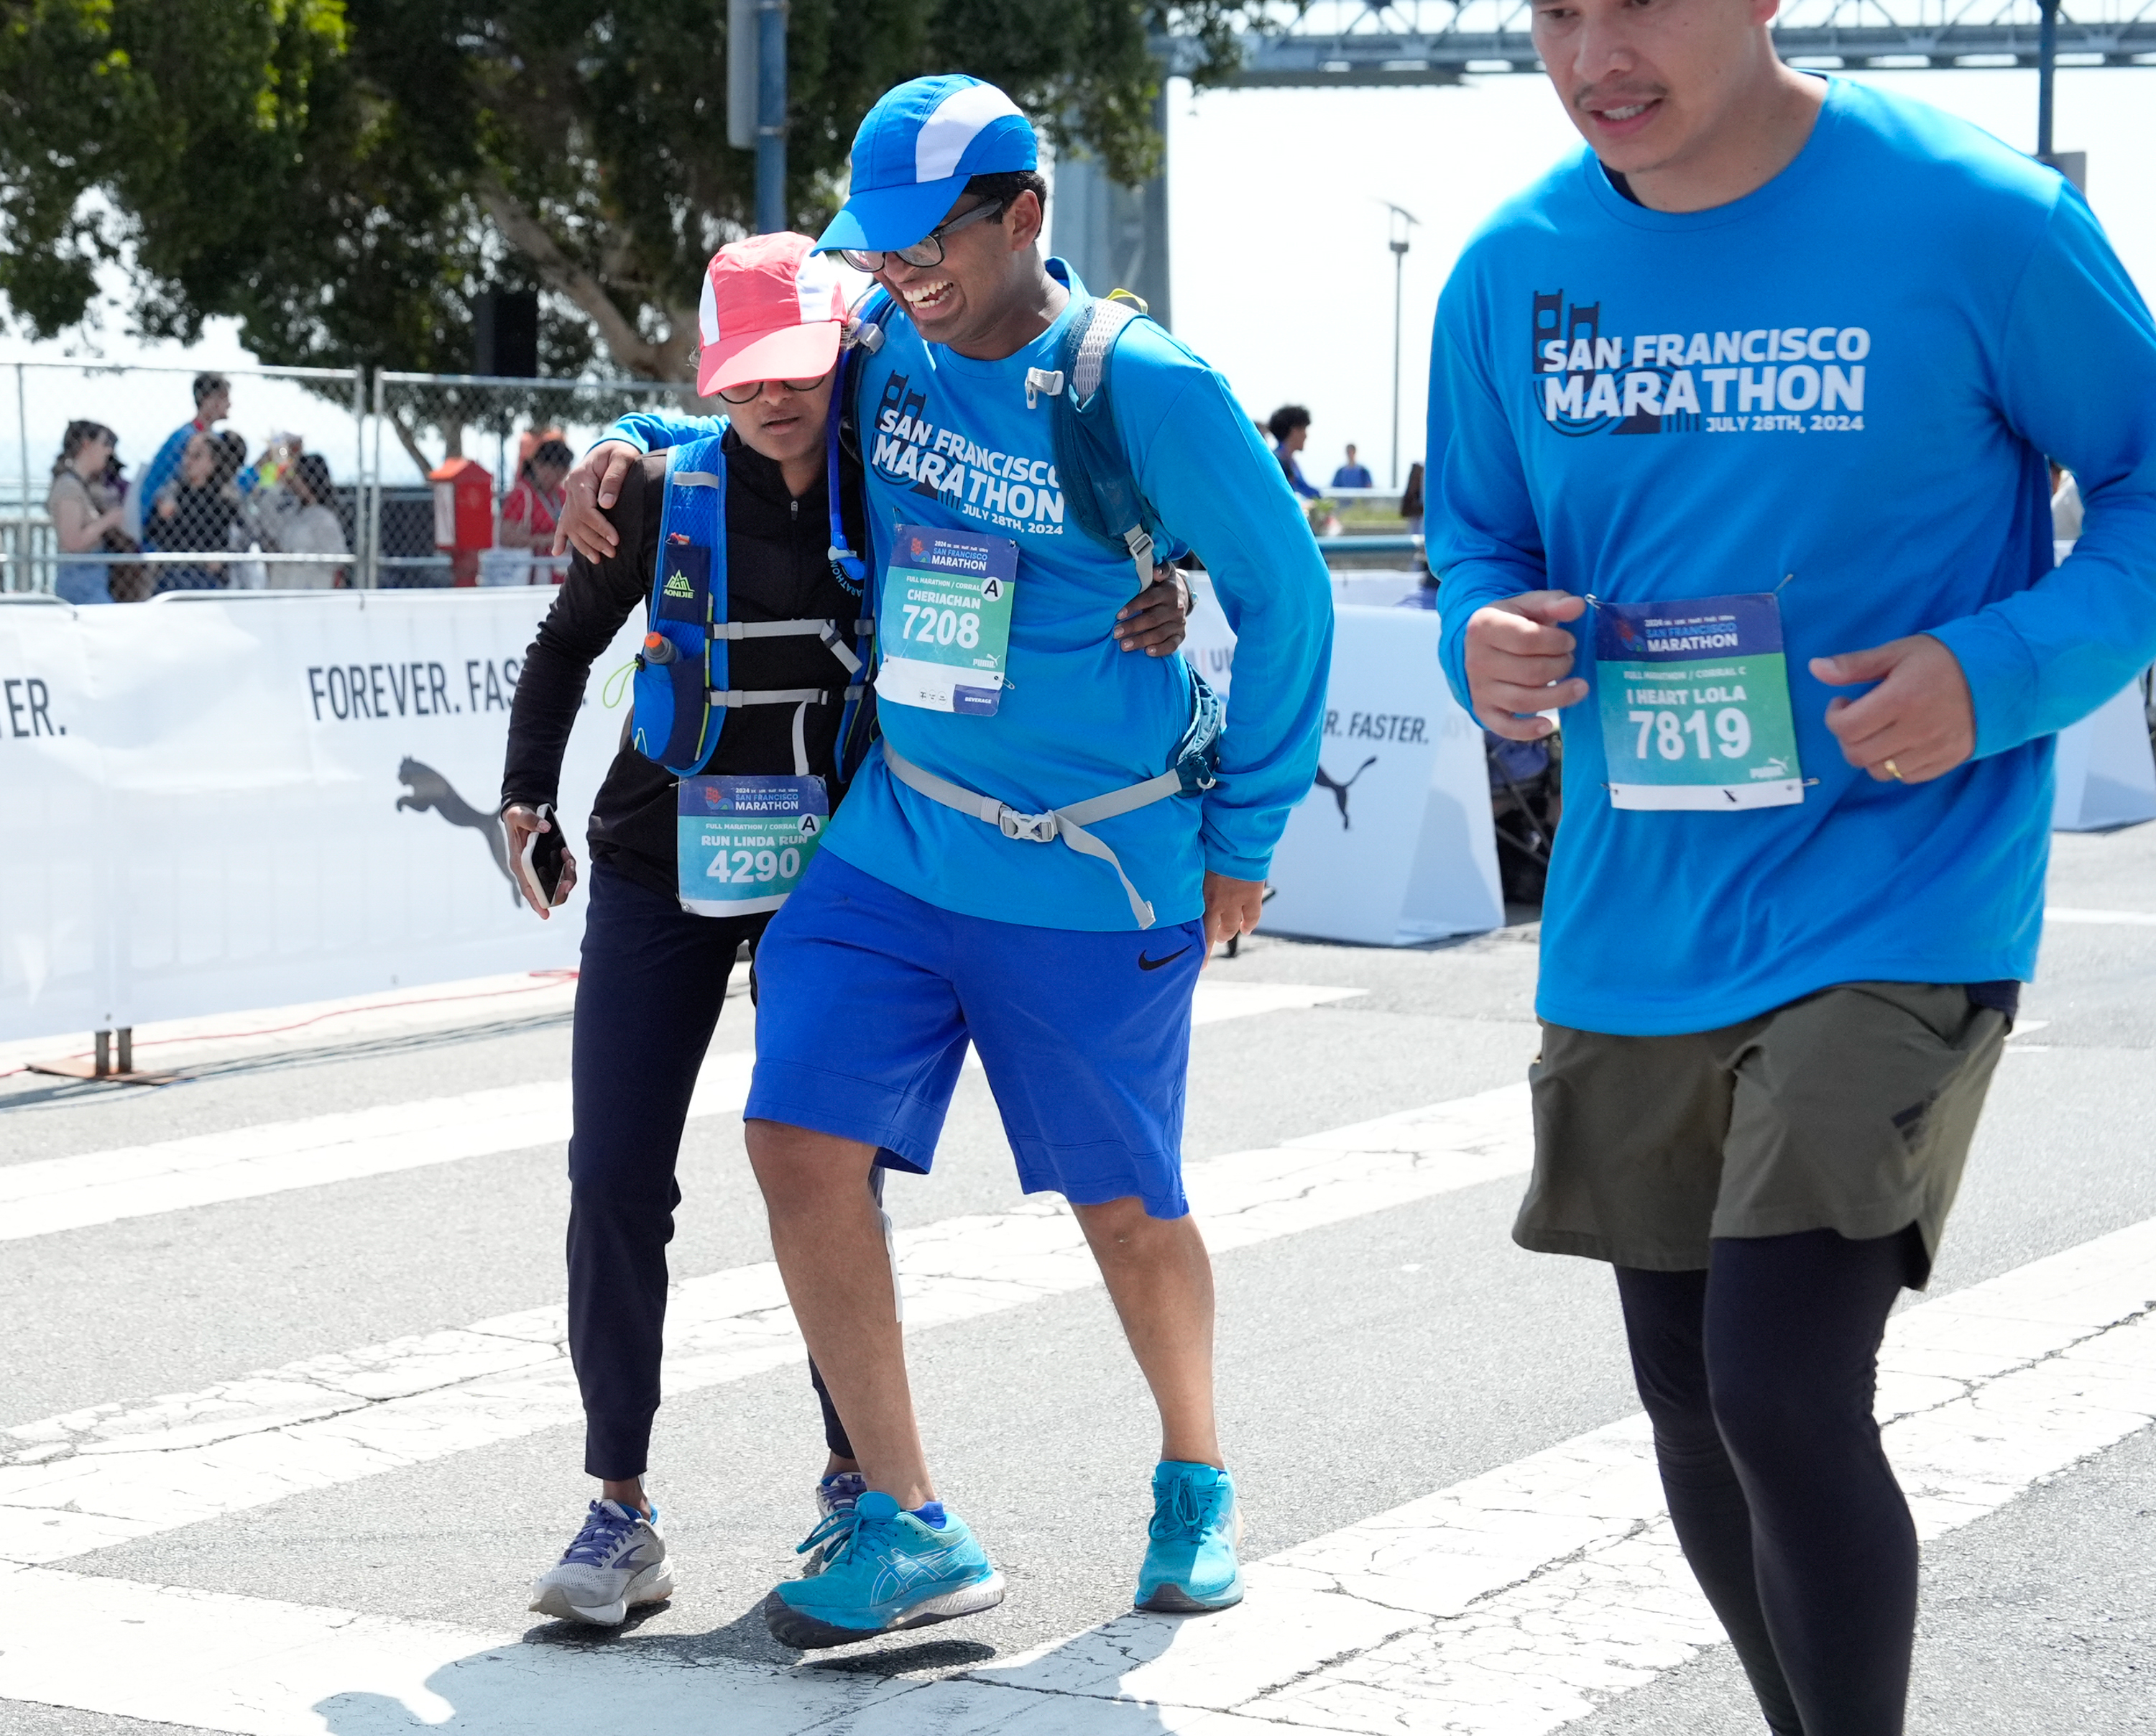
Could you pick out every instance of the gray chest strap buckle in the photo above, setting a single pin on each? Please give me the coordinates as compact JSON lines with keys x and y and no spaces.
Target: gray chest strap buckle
{"x":1026,"y":827}
{"x":1068,"y":822}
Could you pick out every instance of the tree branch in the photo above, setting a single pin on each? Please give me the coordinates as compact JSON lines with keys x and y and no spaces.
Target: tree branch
{"x":524,"y":232}
{"x":407,"y":437}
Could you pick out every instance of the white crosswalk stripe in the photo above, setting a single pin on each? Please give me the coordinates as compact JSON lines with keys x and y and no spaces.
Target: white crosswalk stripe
{"x":1504,"y":1606}
{"x":1512,"y":1603}
{"x":74,"y":1483}
{"x":1509,"y":1604}
{"x":57,"y":1193}
{"x":2101,"y":918}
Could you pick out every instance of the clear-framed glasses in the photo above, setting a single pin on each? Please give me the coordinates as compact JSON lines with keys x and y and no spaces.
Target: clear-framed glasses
{"x":928,"y":250}
{"x":749,"y":390}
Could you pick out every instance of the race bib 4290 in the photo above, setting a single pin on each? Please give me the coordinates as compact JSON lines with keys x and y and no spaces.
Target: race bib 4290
{"x":744,"y":842}
{"x":1694,"y":703}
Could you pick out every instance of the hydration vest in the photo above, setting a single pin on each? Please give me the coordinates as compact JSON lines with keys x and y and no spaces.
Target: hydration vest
{"x":1103,"y":498}
{"x":681,"y":696}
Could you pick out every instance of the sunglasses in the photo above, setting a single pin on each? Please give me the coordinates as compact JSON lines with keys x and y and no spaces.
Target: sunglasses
{"x":926,"y":251}
{"x":747,"y":391}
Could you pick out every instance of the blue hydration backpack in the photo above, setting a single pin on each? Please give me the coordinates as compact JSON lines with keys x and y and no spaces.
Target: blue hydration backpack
{"x":681,"y":692}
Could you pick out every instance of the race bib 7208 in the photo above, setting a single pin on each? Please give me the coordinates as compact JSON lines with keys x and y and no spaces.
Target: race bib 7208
{"x":944,"y":628}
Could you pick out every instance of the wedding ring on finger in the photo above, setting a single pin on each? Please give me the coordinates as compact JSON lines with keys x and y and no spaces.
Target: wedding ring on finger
{"x":1892,"y":770}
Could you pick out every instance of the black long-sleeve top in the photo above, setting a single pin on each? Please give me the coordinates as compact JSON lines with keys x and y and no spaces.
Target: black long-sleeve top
{"x":778,"y":569}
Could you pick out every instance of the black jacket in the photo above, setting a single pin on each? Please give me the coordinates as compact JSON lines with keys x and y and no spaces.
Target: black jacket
{"x":778,"y":569}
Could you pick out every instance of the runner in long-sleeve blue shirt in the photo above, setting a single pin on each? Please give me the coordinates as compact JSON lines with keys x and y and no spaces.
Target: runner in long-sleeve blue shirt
{"x":975,"y":886}
{"x":1738,"y":423}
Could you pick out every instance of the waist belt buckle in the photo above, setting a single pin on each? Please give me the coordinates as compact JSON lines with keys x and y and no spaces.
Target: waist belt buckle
{"x":1026,"y":827}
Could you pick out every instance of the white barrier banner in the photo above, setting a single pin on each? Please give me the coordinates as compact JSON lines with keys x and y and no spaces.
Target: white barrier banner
{"x":2104,"y":773}
{"x":219,"y":802}
{"x":1395,"y":844}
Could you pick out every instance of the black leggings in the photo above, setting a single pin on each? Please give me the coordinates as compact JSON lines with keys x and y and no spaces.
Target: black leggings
{"x":648,"y":1000}
{"x":1758,"y":1375}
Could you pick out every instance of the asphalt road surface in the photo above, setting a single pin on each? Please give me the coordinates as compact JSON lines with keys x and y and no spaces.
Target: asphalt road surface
{"x":286,"y":1428}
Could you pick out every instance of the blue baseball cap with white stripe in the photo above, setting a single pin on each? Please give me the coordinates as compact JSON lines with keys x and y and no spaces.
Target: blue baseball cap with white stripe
{"x":914,"y":153}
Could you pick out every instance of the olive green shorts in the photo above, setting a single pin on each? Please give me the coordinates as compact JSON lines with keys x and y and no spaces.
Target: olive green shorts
{"x":1851,"y":1110}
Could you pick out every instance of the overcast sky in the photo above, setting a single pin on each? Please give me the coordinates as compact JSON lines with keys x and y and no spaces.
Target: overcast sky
{"x":1281,"y":275}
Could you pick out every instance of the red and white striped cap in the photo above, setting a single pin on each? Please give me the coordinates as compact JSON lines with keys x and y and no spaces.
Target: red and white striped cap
{"x":772,"y":309}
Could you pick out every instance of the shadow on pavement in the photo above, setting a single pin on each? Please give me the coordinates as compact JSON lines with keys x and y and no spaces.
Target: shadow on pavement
{"x":561,"y":1676}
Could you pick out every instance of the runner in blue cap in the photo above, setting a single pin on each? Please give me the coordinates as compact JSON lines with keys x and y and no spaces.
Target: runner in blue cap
{"x":1047,"y":844}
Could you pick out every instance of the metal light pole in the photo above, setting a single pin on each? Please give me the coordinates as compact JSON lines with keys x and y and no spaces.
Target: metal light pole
{"x":755,"y":99}
{"x":2047,"y":55}
{"x":1398,"y":223}
{"x":771,"y":116}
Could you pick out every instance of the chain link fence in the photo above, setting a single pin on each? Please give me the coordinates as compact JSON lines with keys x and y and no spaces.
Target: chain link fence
{"x":515,"y":438}
{"x":113,"y":488}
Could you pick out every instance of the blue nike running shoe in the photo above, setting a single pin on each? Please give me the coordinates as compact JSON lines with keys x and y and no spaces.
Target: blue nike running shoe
{"x":1190,"y":1564}
{"x":883,"y":1569}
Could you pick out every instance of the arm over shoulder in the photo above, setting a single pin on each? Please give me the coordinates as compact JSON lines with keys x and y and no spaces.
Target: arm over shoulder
{"x":656,"y":430}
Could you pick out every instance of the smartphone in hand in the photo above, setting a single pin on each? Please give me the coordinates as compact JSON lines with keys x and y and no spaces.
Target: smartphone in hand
{"x":539,"y":863}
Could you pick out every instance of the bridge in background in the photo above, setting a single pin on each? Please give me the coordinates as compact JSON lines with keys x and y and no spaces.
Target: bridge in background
{"x":1438,"y":41}
{"x":1119,"y":236}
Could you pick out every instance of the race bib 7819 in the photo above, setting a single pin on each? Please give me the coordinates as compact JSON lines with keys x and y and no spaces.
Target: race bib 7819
{"x":1694,"y":697}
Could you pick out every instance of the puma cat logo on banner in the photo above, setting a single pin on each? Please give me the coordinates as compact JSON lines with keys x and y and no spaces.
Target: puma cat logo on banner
{"x":1326,"y":781}
{"x":428,"y":791}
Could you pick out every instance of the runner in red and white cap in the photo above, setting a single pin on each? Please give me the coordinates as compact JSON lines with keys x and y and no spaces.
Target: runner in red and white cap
{"x":772,"y":309}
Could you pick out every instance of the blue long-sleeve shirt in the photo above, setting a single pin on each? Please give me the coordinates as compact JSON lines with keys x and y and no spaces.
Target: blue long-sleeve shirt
{"x":164,"y":465}
{"x":1856,"y":371}
{"x":949,"y":442}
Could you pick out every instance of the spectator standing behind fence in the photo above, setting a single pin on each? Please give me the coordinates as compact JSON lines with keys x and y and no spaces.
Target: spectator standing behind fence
{"x":310,"y":525}
{"x":212,"y":404}
{"x":530,"y":510}
{"x":1352,"y":475}
{"x":195,"y":512}
{"x":83,"y":511}
{"x":234,"y":478}
{"x":1411,"y":499}
{"x":1290,"y":428}
{"x":266,"y":489}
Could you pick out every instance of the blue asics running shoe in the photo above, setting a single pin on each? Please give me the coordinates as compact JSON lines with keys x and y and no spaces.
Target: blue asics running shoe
{"x":883,"y":1569}
{"x":1190,"y":1564}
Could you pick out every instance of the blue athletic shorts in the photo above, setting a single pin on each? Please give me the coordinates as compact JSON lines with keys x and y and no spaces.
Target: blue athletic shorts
{"x":866,"y":996}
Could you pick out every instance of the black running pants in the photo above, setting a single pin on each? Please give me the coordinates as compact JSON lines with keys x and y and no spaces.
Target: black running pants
{"x":648,"y":999}
{"x":1758,"y":1375}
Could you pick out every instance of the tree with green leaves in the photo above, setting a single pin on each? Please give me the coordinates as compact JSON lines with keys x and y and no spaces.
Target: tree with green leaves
{"x":342,"y":176}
